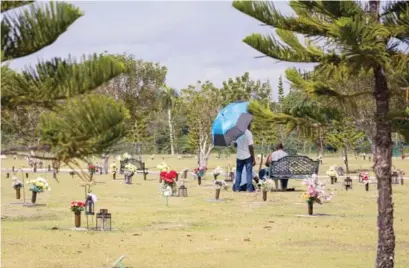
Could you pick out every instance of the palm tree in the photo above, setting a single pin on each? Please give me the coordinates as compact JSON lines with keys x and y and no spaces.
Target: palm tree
{"x":71,"y":127}
{"x":168,"y":98}
{"x":346,"y":33}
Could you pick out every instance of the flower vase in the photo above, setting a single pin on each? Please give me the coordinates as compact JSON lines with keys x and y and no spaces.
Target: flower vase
{"x":264,"y":195}
{"x":77,"y":219}
{"x":199,"y":180}
{"x":310,"y":208}
{"x":367,"y":187}
{"x":18,"y":193}
{"x":33,"y":197}
{"x":217,"y":194}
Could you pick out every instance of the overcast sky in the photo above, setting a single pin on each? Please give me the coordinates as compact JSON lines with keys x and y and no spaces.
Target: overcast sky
{"x":196,"y":40}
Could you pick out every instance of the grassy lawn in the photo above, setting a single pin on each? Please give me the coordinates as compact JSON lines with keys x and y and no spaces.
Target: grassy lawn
{"x":194,"y":232}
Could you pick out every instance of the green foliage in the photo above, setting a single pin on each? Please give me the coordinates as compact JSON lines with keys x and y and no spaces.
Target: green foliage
{"x":91,"y":135}
{"x":343,"y":23}
{"x":280,"y":89}
{"x":34,"y":28}
{"x":138,"y":87}
{"x":73,"y":124}
{"x":7,"y":5}
{"x":202,"y":103}
{"x":344,"y":134}
{"x":243,"y":88}
{"x":56,"y":80}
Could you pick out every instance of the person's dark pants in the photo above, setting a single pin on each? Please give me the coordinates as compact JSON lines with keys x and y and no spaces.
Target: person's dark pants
{"x":284,"y":183}
{"x":248,"y":165}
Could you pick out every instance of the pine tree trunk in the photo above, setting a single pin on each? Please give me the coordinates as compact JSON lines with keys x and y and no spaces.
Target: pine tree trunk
{"x":346,"y":160}
{"x":383,"y":162}
{"x":172,"y":150}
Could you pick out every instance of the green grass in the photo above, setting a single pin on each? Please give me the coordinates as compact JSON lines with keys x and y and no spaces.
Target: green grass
{"x":241,"y":231}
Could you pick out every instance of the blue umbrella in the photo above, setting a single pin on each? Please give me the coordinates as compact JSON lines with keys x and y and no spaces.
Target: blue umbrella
{"x":231,"y":122}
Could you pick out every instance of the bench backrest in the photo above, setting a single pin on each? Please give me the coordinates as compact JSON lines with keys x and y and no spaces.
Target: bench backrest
{"x":293,"y":165}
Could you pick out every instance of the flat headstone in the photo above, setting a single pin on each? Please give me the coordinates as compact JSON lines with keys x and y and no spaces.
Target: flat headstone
{"x":313,"y":216}
{"x":35,"y":205}
{"x":18,"y":203}
{"x":213,"y":200}
{"x":78,"y":229}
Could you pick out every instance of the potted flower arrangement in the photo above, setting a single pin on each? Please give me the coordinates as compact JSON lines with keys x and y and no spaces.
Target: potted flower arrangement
{"x":168,"y":182}
{"x":77,"y":207}
{"x":216,"y":172}
{"x":220,"y":184}
{"x":114,"y":170}
{"x":126,"y":156}
{"x":162,"y":167}
{"x":365,"y":180}
{"x":130,"y":170}
{"x":315,"y":192}
{"x":17,"y":185}
{"x":38,"y":185}
{"x":199,"y":173}
{"x":266,"y":186}
{"x":333,"y":174}
{"x":91,"y":170}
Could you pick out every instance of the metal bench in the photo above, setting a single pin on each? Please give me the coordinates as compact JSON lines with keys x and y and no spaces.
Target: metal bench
{"x":138,"y":164}
{"x":292,"y":166}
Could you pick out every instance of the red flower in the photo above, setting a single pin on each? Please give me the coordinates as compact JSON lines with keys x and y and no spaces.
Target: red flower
{"x":172,"y":174}
{"x":163,"y":174}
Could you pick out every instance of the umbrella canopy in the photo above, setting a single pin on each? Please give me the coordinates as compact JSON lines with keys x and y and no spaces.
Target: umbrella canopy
{"x":231,"y":122}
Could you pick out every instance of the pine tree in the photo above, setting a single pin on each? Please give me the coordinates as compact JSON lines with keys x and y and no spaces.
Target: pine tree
{"x":71,"y":127}
{"x":359,"y":39}
{"x":280,"y":89}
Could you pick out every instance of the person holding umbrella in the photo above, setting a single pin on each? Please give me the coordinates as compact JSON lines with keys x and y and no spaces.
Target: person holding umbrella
{"x":245,"y":160}
{"x":232,"y":127}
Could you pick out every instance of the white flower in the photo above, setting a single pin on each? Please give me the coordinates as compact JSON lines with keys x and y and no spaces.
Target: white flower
{"x":93,"y":197}
{"x":217,"y":171}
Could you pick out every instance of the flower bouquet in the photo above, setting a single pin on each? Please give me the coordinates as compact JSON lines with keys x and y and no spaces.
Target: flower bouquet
{"x":77,"y":207}
{"x":266,"y":186}
{"x":91,"y":170}
{"x":129,"y":171}
{"x":17,"y":185}
{"x":216,"y":172}
{"x":168,"y":180}
{"x":315,"y":192}
{"x":333,"y":174}
{"x":38,"y":185}
{"x":365,"y":180}
{"x":126,"y":156}
{"x":162,"y":168}
{"x":220,"y":184}
{"x":199,"y":173}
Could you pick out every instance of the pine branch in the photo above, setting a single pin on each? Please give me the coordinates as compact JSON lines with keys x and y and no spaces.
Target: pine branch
{"x":35,"y":28}
{"x":85,"y":126}
{"x":57,"y":80}
{"x":396,"y":18}
{"x":8,"y":5}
